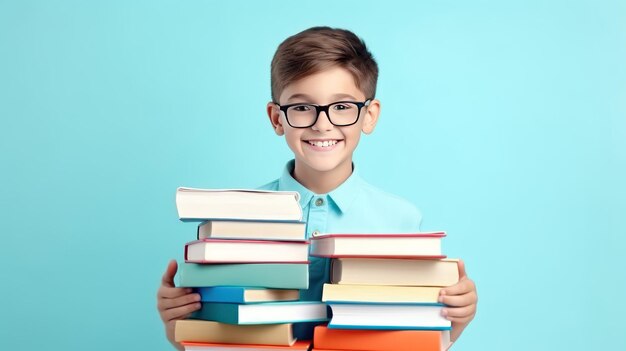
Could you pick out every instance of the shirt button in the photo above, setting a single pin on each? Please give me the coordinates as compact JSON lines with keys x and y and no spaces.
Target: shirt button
{"x":315,"y":233}
{"x":319,"y":202}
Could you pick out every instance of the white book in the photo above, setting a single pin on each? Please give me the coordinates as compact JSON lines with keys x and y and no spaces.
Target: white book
{"x":259,"y":230}
{"x":404,"y":245}
{"x":388,"y":316}
{"x":243,"y":204}
{"x":262,"y":313}
{"x":246,"y":251}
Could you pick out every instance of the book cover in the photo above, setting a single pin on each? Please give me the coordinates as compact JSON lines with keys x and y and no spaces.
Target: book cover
{"x":214,"y":332}
{"x":258,"y":230}
{"x":380,"y":340}
{"x":238,"y":294}
{"x":416,"y":245}
{"x":246,"y":251}
{"x":262,"y":275}
{"x":403,"y":272}
{"x":262,"y":313}
{"x":201,"y":204}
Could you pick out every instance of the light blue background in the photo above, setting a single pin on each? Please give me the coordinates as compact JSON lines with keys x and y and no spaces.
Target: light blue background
{"x":504,"y":121}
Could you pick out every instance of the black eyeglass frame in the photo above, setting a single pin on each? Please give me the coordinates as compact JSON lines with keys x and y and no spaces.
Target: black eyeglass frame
{"x":324,"y":108}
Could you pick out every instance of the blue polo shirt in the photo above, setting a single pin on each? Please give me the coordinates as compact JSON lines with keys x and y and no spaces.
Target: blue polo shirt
{"x":353,"y":207}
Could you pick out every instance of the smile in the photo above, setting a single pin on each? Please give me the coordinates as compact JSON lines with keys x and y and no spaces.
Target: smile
{"x":325,"y":143}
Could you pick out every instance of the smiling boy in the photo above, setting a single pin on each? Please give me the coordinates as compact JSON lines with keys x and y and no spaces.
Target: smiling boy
{"x":323,"y":99}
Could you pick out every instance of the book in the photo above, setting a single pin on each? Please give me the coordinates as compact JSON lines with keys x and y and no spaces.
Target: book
{"x":208,"y":331}
{"x":380,"y":294}
{"x":262,"y":313}
{"x":246,"y":251}
{"x":417,"y":245}
{"x":302,"y":345}
{"x":259,"y":230}
{"x":239,"y":294}
{"x":380,"y":340}
{"x":202,"y":204}
{"x":261,"y":275}
{"x":403,"y":272}
{"x":386,"y":316}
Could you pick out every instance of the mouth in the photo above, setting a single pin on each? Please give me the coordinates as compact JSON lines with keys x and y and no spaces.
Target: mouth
{"x":323,"y":145}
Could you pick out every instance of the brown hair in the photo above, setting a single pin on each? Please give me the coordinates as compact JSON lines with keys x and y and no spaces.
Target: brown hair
{"x":320,"y":48}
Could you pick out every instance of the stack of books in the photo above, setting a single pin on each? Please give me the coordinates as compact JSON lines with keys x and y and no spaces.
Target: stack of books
{"x":384,"y":292}
{"x":248,"y":262}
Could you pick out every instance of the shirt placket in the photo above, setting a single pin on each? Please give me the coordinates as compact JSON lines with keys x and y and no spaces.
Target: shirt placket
{"x":318,"y":216}
{"x":318,"y":267}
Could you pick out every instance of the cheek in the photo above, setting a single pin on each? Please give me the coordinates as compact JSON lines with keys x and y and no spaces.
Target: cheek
{"x":352,"y":137}
{"x":293,"y":138}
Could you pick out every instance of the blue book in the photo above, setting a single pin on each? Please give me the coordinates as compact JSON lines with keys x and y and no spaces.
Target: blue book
{"x":263,"y":313}
{"x":262,"y":275}
{"x":239,"y":294}
{"x":388,"y":316}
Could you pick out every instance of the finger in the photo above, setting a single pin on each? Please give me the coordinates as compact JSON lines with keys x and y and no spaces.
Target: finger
{"x":458,"y":300}
{"x":462,"y":273}
{"x":170,"y":272}
{"x":464,"y":286}
{"x":458,"y":312}
{"x":165,"y":304}
{"x":171,"y":293}
{"x":180,"y":312}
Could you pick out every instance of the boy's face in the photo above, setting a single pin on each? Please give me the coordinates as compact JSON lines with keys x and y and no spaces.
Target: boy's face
{"x":323,"y":88}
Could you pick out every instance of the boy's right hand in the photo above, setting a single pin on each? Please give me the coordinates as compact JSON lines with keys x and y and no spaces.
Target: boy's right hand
{"x":174,"y":303}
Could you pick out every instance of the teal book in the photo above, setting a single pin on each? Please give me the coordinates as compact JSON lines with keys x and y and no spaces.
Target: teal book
{"x":263,"y":313}
{"x":262,"y":275}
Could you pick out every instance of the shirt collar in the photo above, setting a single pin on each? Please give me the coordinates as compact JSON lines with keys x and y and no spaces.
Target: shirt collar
{"x":343,"y":196}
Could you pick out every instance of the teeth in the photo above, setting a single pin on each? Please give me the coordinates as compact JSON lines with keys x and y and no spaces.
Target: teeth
{"x":325,"y":143}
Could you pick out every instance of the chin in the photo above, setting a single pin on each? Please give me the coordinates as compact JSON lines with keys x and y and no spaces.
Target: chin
{"x":322,"y":164}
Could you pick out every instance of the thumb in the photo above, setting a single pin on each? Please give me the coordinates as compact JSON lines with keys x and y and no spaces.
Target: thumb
{"x":462,"y":273}
{"x":170,"y":272}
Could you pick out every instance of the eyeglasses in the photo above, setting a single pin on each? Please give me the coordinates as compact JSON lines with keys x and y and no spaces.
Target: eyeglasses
{"x":340,"y":113}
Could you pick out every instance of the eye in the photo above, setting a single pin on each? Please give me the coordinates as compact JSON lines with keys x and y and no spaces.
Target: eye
{"x":301,"y":108}
{"x":342,"y":107}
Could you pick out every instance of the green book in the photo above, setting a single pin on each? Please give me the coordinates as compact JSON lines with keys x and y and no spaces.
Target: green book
{"x":263,"y":275}
{"x":263,"y":313}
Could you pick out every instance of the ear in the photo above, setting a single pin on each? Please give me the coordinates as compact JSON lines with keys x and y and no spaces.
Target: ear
{"x":274,"y":114}
{"x":371,"y":117}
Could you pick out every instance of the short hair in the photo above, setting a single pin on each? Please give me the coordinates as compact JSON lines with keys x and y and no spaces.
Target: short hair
{"x":319,"y":48}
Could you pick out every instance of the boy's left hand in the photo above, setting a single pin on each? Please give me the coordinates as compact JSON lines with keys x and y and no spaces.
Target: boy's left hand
{"x":460,"y":300}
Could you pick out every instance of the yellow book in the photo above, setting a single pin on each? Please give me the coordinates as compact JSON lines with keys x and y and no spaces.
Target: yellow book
{"x":380,"y":293}
{"x":214,"y":332}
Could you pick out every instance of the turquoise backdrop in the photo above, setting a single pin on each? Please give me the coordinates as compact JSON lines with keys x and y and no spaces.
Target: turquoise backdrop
{"x":504,"y":121}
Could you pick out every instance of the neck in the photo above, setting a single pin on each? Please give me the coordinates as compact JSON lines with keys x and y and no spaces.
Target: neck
{"x":322,"y":182}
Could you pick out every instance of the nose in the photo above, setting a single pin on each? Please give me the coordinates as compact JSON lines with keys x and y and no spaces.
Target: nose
{"x":323,"y":121}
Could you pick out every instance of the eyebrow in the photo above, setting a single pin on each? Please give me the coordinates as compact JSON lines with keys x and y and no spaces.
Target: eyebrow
{"x":309,"y":98}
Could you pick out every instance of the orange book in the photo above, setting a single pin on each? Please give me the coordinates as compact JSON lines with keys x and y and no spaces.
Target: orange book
{"x":380,"y":340}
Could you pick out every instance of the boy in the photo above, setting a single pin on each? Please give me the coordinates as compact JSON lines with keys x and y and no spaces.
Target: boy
{"x":323,"y":97}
